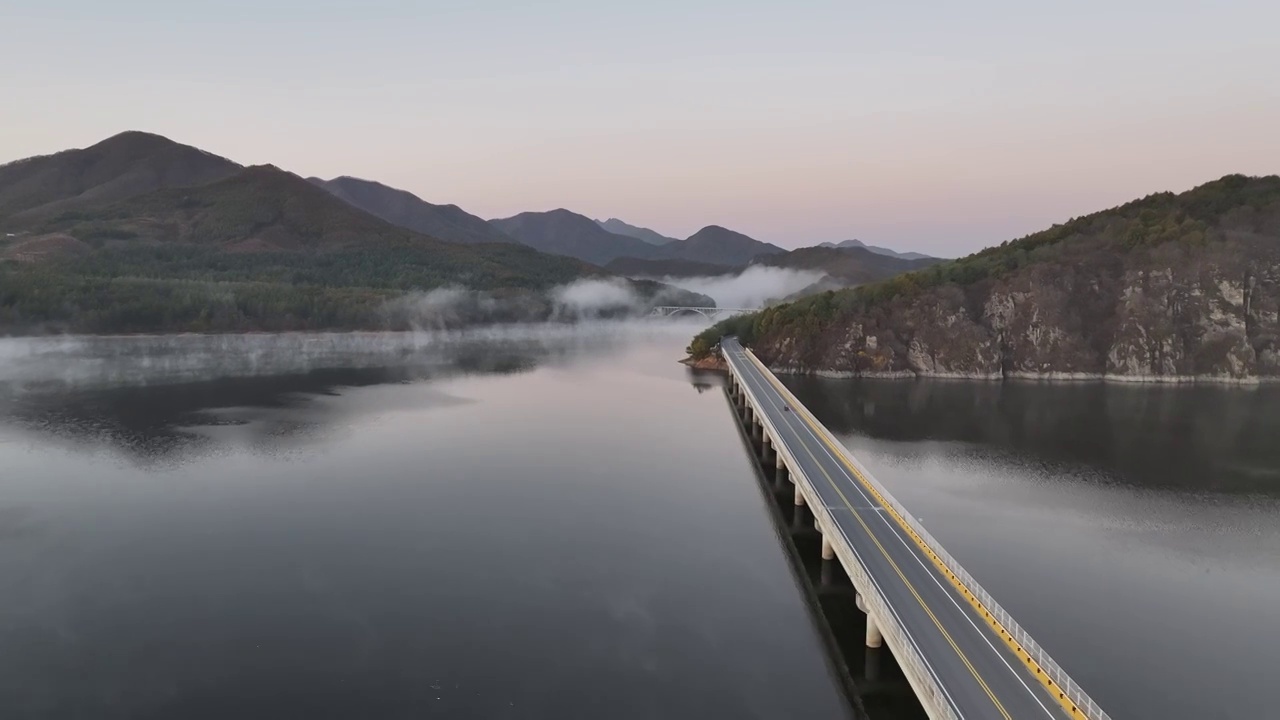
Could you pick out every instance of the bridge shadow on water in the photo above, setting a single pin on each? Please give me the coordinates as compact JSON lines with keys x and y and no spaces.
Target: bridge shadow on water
{"x":871,"y":678}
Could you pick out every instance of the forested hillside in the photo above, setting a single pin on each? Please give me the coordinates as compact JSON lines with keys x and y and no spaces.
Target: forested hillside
{"x":260,"y":250}
{"x":1166,"y":287}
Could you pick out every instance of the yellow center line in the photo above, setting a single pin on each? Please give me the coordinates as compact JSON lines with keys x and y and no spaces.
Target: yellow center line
{"x":867,"y":529}
{"x":838,"y":451}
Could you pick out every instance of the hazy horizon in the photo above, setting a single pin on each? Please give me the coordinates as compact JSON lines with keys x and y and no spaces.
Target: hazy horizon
{"x":938,"y":129}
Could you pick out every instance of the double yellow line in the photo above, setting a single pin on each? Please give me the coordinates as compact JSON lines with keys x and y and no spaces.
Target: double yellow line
{"x":911,"y":587}
{"x":838,"y":452}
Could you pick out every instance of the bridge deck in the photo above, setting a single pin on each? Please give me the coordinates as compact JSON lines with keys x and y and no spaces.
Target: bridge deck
{"x":979,"y":674}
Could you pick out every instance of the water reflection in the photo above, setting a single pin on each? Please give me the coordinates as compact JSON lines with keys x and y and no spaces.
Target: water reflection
{"x":531,"y":525}
{"x":157,"y":424}
{"x":162,"y":398}
{"x":1199,"y":438}
{"x":1131,"y":529}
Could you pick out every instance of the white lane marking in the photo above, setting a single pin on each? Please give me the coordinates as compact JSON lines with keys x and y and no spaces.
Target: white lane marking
{"x":913,"y":550}
{"x":955,"y":707}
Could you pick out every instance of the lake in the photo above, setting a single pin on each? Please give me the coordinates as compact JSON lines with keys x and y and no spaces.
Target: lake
{"x":1133,"y":530}
{"x":560,"y":521}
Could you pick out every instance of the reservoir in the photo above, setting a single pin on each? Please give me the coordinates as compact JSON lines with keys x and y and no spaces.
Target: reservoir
{"x":560,"y":521}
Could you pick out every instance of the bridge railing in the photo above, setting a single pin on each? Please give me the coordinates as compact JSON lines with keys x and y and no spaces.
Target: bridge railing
{"x":708,"y":312}
{"x":1061,"y":682}
{"x":909,"y":656}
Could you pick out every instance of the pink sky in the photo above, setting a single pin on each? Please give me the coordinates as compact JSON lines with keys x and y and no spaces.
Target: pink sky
{"x":939,"y":129}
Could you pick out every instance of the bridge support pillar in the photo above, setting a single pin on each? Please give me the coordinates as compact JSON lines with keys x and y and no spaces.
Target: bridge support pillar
{"x":780,"y":474}
{"x":827,"y":573}
{"x":828,"y":550}
{"x":767,"y":453}
{"x":799,"y":497}
{"x":874,"y":638}
{"x":800,"y":519}
{"x":871,"y":664}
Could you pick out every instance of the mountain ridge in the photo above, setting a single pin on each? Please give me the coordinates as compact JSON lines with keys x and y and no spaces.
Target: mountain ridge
{"x":403,"y":208}
{"x":879,"y":250}
{"x":1167,"y":288}
{"x":258,"y":248}
{"x":719,"y":245}
{"x":564,"y":232}
{"x":124,"y":165}
{"x":619,"y":227}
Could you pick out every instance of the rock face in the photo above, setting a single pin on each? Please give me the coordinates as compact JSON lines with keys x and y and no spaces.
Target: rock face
{"x":1176,"y":295}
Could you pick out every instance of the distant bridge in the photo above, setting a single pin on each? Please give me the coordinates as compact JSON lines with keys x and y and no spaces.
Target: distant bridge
{"x":710,"y":313}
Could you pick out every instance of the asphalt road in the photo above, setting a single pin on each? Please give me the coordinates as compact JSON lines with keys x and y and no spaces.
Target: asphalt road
{"x":978,"y":672}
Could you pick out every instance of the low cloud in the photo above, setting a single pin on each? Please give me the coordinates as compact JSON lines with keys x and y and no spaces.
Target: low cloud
{"x":455,"y":306}
{"x":752,"y":288}
{"x":593,"y":298}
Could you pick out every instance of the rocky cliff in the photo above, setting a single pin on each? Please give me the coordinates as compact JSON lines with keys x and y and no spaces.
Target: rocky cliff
{"x":1167,"y":288}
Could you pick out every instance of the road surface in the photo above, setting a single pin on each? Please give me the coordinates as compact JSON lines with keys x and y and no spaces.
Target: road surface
{"x":978,"y":673}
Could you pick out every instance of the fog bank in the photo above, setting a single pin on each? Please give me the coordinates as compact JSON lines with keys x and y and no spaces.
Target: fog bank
{"x":45,"y":363}
{"x":752,"y":288}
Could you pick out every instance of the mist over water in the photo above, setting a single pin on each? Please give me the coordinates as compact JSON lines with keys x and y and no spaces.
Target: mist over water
{"x":477,"y":523}
{"x":550,"y":521}
{"x":752,"y":288}
{"x":586,"y":299}
{"x":83,"y":360}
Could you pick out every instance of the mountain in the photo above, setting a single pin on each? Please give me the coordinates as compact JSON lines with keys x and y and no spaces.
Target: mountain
{"x":260,"y":250}
{"x":877,"y":250}
{"x":847,"y":265}
{"x":637,"y":267}
{"x":618,"y":227}
{"x":562,"y":232}
{"x":1166,"y":288}
{"x":717,"y":245}
{"x":567,"y":233}
{"x":126,"y":165}
{"x":399,"y":207}
{"x":841,"y":267}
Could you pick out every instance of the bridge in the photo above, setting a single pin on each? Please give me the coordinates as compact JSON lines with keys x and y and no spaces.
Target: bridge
{"x":710,"y":313}
{"x":962,"y":654}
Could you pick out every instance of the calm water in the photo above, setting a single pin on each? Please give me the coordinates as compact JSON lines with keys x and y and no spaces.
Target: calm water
{"x":1134,"y":531}
{"x":556,"y":522}
{"x":536,"y":524}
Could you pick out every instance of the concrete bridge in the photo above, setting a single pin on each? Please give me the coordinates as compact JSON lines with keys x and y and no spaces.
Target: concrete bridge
{"x":962,"y":654}
{"x":710,"y":313}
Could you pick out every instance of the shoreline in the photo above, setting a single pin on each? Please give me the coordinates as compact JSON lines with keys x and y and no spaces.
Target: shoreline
{"x":714,"y":362}
{"x":710,"y":362}
{"x":1049,"y":377}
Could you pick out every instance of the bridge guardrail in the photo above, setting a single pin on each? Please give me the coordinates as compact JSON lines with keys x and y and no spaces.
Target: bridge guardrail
{"x":907,"y":654}
{"x":1084,"y":705}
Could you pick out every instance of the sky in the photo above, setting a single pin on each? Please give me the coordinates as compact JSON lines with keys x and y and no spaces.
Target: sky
{"x":939,"y":127}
